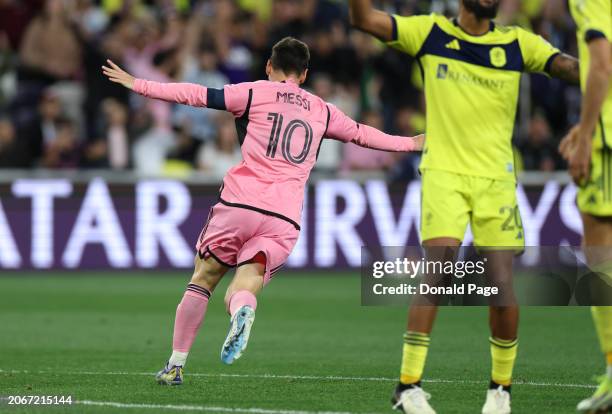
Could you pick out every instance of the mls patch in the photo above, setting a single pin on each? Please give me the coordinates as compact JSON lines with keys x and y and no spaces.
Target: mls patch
{"x":498,"y":57}
{"x":442,"y":71}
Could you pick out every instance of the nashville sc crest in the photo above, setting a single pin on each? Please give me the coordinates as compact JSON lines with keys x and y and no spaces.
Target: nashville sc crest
{"x":498,"y":57}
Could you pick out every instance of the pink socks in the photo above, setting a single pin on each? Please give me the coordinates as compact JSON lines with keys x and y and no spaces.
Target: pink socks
{"x":240,"y":299}
{"x":189,"y":315}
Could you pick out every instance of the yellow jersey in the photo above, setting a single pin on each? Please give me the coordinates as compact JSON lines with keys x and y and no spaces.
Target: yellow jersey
{"x":594,"y":20}
{"x":471,"y":89}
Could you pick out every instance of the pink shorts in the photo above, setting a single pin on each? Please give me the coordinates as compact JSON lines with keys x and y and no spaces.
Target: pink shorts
{"x":233,"y":236}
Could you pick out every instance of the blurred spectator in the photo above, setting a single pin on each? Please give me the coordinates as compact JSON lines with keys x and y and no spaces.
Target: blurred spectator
{"x":51,"y":52}
{"x":203,"y":71}
{"x":13,"y":152}
{"x":331,"y":150}
{"x":331,"y":53}
{"x":50,"y":49}
{"x":539,"y":150}
{"x":117,"y":140}
{"x":182,"y":156}
{"x":42,"y":129}
{"x":63,"y":152}
{"x":7,"y":74}
{"x":95,"y":155}
{"x":91,"y":19}
{"x":358,"y":158}
{"x":217,"y":157}
{"x":15,"y":16}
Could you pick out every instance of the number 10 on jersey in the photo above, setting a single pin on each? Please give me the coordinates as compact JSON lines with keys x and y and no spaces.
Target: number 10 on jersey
{"x":292,"y":126}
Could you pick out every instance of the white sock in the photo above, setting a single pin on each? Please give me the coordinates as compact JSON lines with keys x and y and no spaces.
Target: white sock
{"x":178,"y":358}
{"x":609,"y":372}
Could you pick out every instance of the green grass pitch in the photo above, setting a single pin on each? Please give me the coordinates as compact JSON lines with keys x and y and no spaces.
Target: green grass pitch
{"x":313,"y":348}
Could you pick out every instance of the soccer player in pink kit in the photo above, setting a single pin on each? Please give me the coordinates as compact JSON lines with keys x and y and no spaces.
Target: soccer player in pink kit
{"x":256,"y":222}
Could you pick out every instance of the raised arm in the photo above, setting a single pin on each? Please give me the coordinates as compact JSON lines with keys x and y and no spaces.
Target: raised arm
{"x":343,"y":128}
{"x":364,"y":17}
{"x":183,"y":93}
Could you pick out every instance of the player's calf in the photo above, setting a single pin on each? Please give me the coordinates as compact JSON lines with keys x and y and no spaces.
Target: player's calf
{"x":189,"y":316}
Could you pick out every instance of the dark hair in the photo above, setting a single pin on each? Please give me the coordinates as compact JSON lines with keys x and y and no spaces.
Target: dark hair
{"x":290,"y":56}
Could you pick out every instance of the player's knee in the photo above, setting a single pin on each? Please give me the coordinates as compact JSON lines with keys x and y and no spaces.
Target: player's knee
{"x":207,"y":273}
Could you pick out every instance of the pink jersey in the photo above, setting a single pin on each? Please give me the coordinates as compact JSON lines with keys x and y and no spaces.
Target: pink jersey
{"x":280,"y":128}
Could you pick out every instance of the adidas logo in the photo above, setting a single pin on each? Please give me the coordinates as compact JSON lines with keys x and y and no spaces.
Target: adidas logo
{"x":453,"y":44}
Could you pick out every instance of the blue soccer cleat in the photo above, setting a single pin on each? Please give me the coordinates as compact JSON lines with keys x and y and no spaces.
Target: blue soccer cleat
{"x":238,"y":335}
{"x":170,"y":375}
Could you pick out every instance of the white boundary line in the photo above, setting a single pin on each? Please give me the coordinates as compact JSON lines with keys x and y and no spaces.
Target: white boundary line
{"x":204,"y":408}
{"x":303,"y":377}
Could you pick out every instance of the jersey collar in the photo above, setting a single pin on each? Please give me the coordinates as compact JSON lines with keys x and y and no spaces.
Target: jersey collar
{"x":491,"y":28}
{"x":290,"y":82}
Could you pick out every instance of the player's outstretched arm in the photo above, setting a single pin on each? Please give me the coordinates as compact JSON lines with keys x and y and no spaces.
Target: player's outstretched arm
{"x":343,"y":128}
{"x":364,"y":17}
{"x":576,"y":146}
{"x":183,"y":93}
{"x":565,"y":67}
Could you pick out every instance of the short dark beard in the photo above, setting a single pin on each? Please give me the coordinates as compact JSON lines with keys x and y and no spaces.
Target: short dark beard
{"x":480,"y":11}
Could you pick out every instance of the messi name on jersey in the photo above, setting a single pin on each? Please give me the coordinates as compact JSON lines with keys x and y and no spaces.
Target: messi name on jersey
{"x":294,"y":99}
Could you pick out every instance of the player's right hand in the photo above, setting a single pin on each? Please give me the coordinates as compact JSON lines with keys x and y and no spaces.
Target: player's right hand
{"x":419,"y":142}
{"x":568,"y":144}
{"x":576,"y":150}
{"x":115,"y":74}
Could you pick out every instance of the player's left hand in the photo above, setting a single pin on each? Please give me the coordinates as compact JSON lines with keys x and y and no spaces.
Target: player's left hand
{"x":419,"y":141}
{"x":579,"y":155}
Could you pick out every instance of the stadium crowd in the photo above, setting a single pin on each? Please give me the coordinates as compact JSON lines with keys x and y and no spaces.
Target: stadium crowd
{"x":57,"y":111}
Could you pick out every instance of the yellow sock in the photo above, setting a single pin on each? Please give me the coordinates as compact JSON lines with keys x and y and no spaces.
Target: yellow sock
{"x":414,"y":355}
{"x":602,"y":316}
{"x":503,"y":355}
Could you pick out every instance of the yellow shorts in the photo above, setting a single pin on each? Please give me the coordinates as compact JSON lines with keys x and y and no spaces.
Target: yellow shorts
{"x":450,"y":201}
{"x":595,"y":196}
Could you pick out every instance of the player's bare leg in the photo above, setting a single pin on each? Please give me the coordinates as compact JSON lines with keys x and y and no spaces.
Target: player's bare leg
{"x":598,"y":251}
{"x":189,"y":316}
{"x":503,"y":321}
{"x":409,"y":396}
{"x":241,"y":303}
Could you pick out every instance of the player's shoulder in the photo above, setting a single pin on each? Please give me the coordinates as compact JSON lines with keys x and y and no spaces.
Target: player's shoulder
{"x":510,"y":33}
{"x":516,"y":31}
{"x":525,"y":36}
{"x":418,"y":19}
{"x":318,"y":104}
{"x":252,"y":85}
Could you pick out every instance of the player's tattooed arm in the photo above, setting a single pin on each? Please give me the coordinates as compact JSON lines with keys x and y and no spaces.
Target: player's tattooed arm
{"x":376,"y":22}
{"x":565,"y":67}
